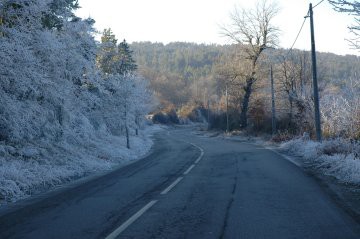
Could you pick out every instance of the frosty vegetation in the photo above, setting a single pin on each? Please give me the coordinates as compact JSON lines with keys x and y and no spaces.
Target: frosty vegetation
{"x":62,"y":115}
{"x":338,"y":158}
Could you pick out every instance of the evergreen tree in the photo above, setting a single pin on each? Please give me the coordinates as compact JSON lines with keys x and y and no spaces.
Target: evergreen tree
{"x":127,"y":63}
{"x":107,"y":55}
{"x":113,"y":58}
{"x":108,"y":37}
{"x":60,"y":10}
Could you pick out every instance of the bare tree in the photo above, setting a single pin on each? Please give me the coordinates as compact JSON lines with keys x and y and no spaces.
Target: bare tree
{"x":352,"y":7}
{"x":289,"y":77}
{"x":253,"y":30}
{"x":293,"y":77}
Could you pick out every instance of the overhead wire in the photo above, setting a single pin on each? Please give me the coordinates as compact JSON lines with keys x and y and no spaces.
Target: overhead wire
{"x":318,"y":3}
{"x":301,"y":28}
{"x":297,"y":36}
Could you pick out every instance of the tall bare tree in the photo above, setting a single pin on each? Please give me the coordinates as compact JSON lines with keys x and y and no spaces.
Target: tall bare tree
{"x":254,"y":31}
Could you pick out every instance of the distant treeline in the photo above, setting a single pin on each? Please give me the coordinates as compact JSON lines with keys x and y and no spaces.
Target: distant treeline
{"x":188,"y":74}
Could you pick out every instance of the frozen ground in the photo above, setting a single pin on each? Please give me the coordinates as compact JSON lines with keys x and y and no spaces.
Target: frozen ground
{"x":41,"y":166}
{"x":337,"y":158}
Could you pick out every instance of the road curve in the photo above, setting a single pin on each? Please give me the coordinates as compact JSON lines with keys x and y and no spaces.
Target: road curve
{"x":189,"y":187}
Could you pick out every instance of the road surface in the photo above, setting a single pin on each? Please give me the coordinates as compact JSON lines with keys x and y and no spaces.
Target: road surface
{"x":190,"y":186}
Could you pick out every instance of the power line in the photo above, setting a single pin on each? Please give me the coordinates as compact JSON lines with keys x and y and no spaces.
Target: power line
{"x":302,"y":26}
{"x":318,"y":3}
{"x":297,"y":36}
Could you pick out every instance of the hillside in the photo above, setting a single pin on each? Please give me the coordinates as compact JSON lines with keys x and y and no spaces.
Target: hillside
{"x":192,"y":74}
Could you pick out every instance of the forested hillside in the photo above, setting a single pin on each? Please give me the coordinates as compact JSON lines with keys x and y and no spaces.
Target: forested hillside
{"x":187,"y":75}
{"x":177,"y":70}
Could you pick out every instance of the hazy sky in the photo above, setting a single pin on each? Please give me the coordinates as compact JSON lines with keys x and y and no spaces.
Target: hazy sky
{"x":198,"y":21}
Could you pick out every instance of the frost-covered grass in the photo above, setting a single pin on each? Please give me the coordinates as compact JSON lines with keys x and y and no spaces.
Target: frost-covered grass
{"x":337,"y":157}
{"x":37,"y":167}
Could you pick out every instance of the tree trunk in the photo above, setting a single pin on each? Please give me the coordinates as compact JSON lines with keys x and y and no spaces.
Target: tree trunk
{"x":137,"y":126}
{"x":127,"y":137}
{"x":126,"y":128}
{"x":291,"y":114}
{"x":245,"y":104}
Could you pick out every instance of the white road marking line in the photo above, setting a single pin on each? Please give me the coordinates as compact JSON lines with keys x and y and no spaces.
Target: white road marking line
{"x":200,"y":157}
{"x":132,"y":219}
{"x":201,"y":153}
{"x":285,"y":156}
{"x":189,"y":169}
{"x":171,"y":186}
{"x":137,"y":215}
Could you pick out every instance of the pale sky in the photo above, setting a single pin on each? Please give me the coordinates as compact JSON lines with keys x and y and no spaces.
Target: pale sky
{"x":199,"y":20}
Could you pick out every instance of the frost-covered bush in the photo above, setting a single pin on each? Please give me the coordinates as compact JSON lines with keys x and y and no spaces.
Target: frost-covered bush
{"x":60,"y":117}
{"x":128,"y":99}
{"x":168,"y":117}
{"x":341,"y":112}
{"x":38,"y":68}
{"x":337,"y":157}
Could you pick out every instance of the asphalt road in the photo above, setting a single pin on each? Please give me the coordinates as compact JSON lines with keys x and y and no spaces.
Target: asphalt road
{"x":188,"y":187}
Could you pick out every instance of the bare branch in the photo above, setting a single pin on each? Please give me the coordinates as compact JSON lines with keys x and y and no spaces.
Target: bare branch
{"x":253,"y":27}
{"x":351,"y":7}
{"x":253,"y":30}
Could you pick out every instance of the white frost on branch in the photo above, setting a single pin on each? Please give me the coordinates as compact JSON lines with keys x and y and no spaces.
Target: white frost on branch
{"x":60,"y":117}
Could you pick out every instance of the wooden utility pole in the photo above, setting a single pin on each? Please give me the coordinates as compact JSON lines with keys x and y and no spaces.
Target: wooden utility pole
{"x":314,"y":73}
{"x":273,"y":112}
{"x":227,"y":109}
{"x":208,"y":112}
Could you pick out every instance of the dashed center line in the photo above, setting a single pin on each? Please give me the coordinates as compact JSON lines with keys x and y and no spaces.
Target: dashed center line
{"x":130,"y":221}
{"x":171,"y":186}
{"x":134,"y":217}
{"x":189,"y":169}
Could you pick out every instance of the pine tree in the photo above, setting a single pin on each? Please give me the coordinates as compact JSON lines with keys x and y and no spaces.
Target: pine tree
{"x":107,"y":57}
{"x":113,"y":58}
{"x":60,"y":10}
{"x":108,"y":37}
{"x":127,"y":63}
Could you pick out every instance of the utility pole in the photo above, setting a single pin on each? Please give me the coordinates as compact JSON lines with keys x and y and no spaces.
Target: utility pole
{"x":204,"y":100}
{"x":273,"y":113}
{"x":208,"y":113}
{"x":227,"y":109}
{"x":314,"y":72}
